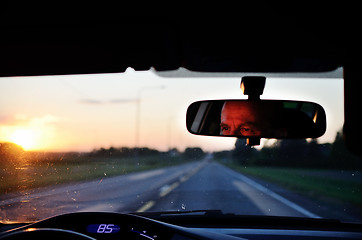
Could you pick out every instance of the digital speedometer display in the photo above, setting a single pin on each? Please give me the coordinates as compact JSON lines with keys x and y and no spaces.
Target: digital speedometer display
{"x":103,"y":228}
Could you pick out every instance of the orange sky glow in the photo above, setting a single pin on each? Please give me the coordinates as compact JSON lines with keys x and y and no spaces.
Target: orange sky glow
{"x":84,"y":112}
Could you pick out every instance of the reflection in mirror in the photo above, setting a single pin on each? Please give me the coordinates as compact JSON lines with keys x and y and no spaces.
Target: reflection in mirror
{"x":264,"y":118}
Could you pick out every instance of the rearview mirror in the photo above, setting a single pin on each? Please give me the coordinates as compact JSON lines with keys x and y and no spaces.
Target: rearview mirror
{"x":260,"y":118}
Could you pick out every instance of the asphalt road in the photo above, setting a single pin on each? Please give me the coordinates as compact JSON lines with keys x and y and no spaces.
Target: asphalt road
{"x":217,"y":187}
{"x":201,"y":185}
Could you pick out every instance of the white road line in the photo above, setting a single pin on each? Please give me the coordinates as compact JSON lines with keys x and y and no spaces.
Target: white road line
{"x":147,"y":174}
{"x":168,"y":188}
{"x":274,"y":195}
{"x":147,"y":206}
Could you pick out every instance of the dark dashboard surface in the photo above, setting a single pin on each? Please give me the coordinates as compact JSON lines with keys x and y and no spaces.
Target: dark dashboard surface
{"x":130,"y":226}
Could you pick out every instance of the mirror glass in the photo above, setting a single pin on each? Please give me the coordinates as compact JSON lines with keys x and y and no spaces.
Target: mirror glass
{"x":260,"y":118}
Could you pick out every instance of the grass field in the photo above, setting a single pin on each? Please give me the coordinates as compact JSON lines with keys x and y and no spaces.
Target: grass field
{"x":317,"y":184}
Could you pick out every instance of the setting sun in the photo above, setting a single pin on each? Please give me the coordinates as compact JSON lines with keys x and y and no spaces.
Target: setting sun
{"x":31,"y":133}
{"x":26,"y":138}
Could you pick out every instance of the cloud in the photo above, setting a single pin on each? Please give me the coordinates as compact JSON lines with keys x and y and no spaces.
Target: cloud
{"x":46,"y":119}
{"x":22,"y":119}
{"x":91,"y":101}
{"x":5,"y":119}
{"x":123,"y":100}
{"x":13,"y":119}
{"x":111,"y":101}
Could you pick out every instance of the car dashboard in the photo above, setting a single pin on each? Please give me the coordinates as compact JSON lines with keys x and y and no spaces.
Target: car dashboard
{"x":130,"y":226}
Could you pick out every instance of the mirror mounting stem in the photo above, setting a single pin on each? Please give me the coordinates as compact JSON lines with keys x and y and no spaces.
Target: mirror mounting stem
{"x":253,"y":87}
{"x":253,"y":141}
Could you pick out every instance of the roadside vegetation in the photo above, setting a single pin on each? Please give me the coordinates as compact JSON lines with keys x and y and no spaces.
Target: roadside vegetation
{"x":21,"y":170}
{"x":326,"y":172}
{"x":315,"y":183}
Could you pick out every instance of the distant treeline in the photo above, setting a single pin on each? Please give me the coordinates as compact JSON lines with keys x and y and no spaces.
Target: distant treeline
{"x":189,"y":153}
{"x":11,"y":153}
{"x":294,"y":153}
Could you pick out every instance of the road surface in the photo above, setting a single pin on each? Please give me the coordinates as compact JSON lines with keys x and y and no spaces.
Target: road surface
{"x":217,"y":187}
{"x":195,"y":186}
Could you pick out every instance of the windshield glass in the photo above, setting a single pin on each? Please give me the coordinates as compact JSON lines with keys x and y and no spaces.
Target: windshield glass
{"x":118,"y":142}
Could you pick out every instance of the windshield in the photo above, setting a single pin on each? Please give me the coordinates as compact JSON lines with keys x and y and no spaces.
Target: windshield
{"x":118,"y":142}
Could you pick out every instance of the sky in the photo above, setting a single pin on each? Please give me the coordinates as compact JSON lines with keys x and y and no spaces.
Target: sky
{"x":85,"y":112}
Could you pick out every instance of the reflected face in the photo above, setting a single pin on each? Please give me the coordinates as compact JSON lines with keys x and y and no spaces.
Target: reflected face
{"x":240,"y":119}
